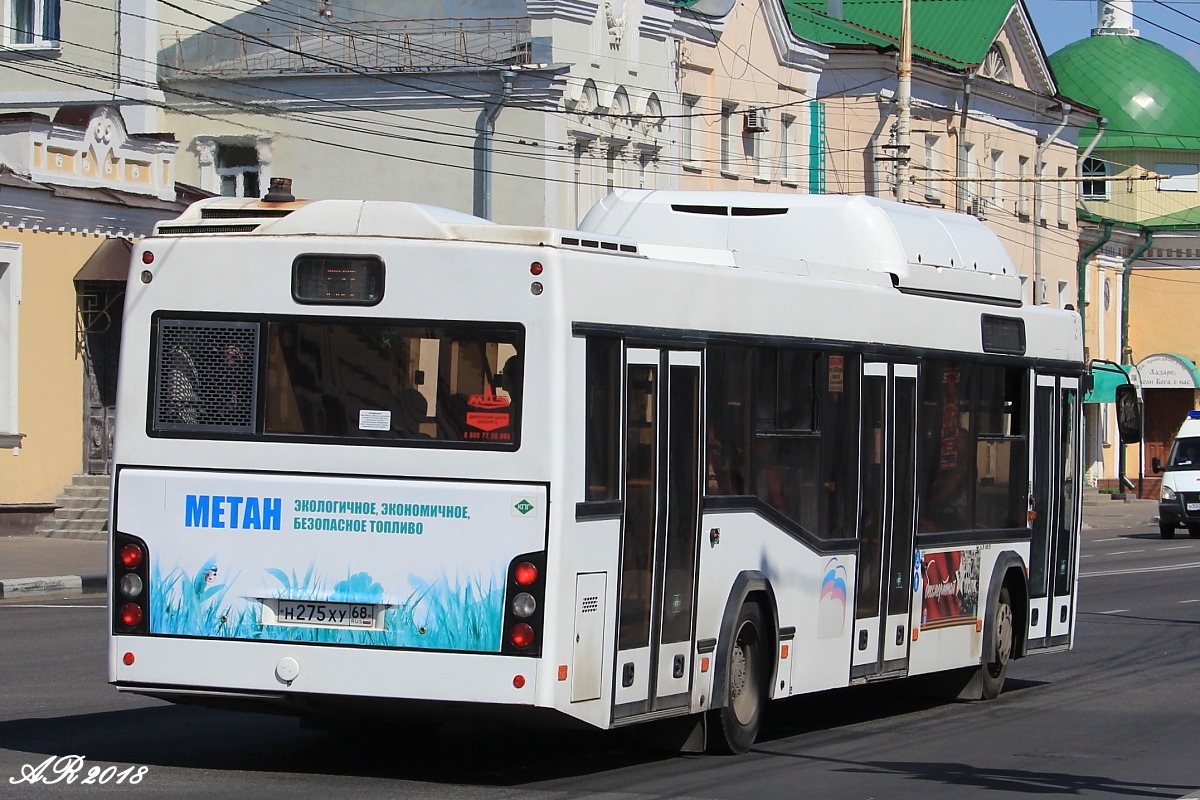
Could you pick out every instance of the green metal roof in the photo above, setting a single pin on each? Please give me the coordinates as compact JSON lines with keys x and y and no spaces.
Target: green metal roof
{"x":1186,"y":219}
{"x":956,"y":33}
{"x":1150,"y":95}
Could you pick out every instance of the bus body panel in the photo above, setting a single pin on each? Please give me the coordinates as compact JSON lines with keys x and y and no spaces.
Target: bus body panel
{"x":428,"y":558}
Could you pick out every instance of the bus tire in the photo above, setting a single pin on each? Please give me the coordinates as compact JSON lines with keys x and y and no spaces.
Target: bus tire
{"x":995,"y":668}
{"x":733,"y":728}
{"x":1166,"y":531}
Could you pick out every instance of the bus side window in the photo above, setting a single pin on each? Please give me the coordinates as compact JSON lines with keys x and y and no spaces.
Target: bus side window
{"x":603,"y":419}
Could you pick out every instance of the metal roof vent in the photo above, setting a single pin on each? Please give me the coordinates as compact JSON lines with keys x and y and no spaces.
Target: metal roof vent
{"x":281,"y":191}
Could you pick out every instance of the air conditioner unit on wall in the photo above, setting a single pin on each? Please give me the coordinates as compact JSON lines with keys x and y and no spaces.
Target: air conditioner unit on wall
{"x":976,"y":206}
{"x":754,"y":121}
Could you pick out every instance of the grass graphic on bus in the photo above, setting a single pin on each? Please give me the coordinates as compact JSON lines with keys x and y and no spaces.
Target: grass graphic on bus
{"x":439,"y":615}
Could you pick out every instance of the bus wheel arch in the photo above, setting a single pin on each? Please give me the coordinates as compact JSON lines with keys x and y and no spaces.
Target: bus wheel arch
{"x":745,"y":665}
{"x":1005,"y":624}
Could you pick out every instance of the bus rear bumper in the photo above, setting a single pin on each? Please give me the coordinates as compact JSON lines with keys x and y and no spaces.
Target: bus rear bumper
{"x":211,"y":672}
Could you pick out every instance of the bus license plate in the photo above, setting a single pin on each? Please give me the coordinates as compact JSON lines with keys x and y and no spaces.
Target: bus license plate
{"x":325,"y":615}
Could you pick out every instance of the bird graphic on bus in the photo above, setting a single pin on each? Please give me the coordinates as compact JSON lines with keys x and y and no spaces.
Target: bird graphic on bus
{"x":831,"y":603}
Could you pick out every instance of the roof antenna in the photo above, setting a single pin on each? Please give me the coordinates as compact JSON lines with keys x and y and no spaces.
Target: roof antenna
{"x":280,"y":192}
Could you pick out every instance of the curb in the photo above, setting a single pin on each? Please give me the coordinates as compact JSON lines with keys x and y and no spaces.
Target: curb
{"x":71,"y":584}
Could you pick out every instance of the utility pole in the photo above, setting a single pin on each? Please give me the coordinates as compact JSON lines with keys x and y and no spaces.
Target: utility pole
{"x":904,"y":101}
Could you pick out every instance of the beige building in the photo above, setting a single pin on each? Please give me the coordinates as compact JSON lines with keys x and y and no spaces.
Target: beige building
{"x":73,"y":191}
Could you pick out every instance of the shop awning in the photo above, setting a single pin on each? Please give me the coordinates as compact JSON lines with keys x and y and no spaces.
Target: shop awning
{"x":1105,"y":380}
{"x":110,"y":262}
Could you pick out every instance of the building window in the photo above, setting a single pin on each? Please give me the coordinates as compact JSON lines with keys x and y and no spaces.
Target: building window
{"x":933,"y":169}
{"x":996,"y":198}
{"x":787,"y":148}
{"x":1177,"y":177}
{"x":237,"y":166}
{"x":994,"y":66}
{"x":1093,"y":189}
{"x":687,"y":139}
{"x":31,"y":22}
{"x":10,"y":302}
{"x":727,"y":134}
{"x":1064,"y":205}
{"x":1024,"y":187}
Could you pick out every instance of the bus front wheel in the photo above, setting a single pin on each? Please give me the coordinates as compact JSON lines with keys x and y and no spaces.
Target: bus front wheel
{"x":733,"y":728}
{"x":996,"y":667}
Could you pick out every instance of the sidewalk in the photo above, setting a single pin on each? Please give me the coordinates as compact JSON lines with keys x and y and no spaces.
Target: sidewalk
{"x":35,"y":565}
{"x":32,"y":565}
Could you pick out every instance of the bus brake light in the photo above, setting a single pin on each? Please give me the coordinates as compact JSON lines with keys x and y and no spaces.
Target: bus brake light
{"x":526,"y":574}
{"x":521,"y":635}
{"x":131,"y":556}
{"x":131,"y":615}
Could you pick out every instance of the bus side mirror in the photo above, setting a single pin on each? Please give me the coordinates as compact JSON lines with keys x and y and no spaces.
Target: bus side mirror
{"x":1129,"y":414}
{"x":1156,"y":464}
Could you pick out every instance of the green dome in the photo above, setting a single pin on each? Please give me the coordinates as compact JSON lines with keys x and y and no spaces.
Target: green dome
{"x":1150,"y":95}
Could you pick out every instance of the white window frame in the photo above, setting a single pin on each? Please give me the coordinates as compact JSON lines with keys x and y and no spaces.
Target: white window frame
{"x":10,"y":303}
{"x":38,"y":39}
{"x":787,"y":149}
{"x":996,"y":194}
{"x":211,"y":174}
{"x":687,"y":138}
{"x":758,"y":144}
{"x":728,"y":109}
{"x":1064,"y":205}
{"x":1088,"y":169}
{"x":933,"y":166}
{"x":1023,"y":188}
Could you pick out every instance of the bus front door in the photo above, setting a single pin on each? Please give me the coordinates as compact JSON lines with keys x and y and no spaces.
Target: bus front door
{"x":659,"y":533}
{"x":886,"y":524}
{"x":1056,"y":509}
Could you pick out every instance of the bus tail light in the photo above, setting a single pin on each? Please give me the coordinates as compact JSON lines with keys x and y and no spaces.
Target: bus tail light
{"x":130,"y":578}
{"x":524,"y":605}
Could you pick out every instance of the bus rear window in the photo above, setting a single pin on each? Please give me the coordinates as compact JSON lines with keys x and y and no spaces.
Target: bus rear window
{"x":391,"y":381}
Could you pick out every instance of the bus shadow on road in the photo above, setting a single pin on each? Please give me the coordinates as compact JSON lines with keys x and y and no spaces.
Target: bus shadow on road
{"x":201,"y":739}
{"x":188,"y":738}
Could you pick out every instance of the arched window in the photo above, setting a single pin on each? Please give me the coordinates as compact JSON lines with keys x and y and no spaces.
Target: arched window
{"x":995,"y":66}
{"x":1094,"y":189}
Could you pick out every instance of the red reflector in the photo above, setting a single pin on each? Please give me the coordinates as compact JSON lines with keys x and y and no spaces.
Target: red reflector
{"x":521,"y":635}
{"x":131,"y":556}
{"x":127,"y":659}
{"x":147,"y":257}
{"x":519,"y":682}
{"x":131,"y":615}
{"x":535,"y":268}
{"x":562,"y":672}
{"x":526,"y":574}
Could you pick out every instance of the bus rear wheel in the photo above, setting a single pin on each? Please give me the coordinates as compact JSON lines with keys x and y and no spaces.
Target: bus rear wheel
{"x":733,"y":728}
{"x":995,"y":668}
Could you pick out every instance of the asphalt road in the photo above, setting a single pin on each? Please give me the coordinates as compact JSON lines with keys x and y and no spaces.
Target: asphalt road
{"x":1116,"y":717}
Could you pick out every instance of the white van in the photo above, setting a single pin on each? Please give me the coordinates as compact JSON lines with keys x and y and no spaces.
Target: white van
{"x":1179,"y":498}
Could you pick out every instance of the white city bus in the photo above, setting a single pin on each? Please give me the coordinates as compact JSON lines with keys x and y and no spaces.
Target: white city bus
{"x":710,"y":450}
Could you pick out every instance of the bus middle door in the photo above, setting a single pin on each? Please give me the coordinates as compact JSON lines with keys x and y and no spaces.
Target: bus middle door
{"x":660,"y":532}
{"x":886,"y":523}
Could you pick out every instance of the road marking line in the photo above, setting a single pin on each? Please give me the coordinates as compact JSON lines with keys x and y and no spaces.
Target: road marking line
{"x":1192,"y":565}
{"x":1184,"y":602}
{"x":43,"y":605}
{"x":1114,"y":611}
{"x":1087,"y":555}
{"x":1118,"y":539}
{"x":1124,"y":552}
{"x":1176,"y":547}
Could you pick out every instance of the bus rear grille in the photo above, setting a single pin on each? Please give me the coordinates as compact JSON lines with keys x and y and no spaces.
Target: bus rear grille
{"x":180,"y":230}
{"x":206,"y":376}
{"x":244,"y":213}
